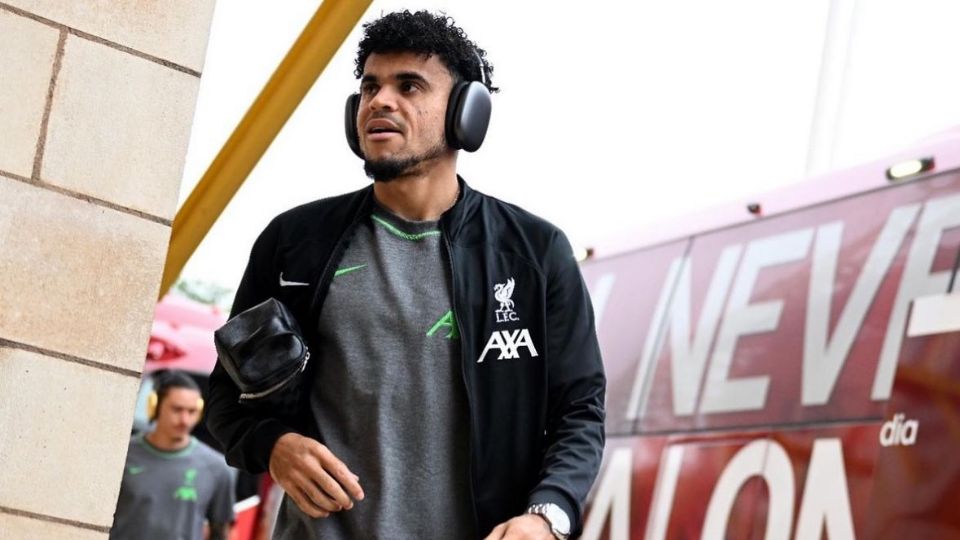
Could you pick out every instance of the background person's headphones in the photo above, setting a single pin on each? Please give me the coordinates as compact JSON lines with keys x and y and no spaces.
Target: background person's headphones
{"x":162,"y":379}
{"x":468,"y":115}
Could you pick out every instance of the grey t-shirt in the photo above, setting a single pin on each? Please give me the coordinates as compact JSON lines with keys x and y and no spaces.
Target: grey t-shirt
{"x":167,"y":495}
{"x":389,"y":397}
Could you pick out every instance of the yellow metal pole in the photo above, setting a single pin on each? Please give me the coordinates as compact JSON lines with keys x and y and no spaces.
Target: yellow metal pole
{"x":288,"y":85}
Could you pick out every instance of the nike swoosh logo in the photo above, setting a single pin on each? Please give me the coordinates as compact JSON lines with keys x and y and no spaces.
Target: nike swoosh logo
{"x":342,"y":271}
{"x":135,"y":470}
{"x":284,"y":283}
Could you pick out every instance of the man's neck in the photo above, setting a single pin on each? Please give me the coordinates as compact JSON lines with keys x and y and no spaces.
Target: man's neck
{"x":420,"y":197}
{"x":167,"y":444}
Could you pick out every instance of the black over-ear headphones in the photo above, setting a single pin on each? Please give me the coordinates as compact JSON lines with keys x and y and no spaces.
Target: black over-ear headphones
{"x":468,"y":115}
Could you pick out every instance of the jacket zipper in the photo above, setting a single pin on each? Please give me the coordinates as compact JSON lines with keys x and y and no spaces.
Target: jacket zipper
{"x":466,"y":387}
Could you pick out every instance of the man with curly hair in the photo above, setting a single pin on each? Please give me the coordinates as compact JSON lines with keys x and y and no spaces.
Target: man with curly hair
{"x":456,"y":386}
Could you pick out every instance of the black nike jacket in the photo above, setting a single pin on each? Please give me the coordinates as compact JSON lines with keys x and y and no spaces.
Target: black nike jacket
{"x":536,"y":422}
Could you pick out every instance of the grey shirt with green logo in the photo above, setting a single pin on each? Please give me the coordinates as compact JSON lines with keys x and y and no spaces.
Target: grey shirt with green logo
{"x":168,"y":495}
{"x":389,"y":398}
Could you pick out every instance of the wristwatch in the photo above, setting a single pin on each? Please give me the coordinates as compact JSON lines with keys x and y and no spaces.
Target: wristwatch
{"x":555,"y":516}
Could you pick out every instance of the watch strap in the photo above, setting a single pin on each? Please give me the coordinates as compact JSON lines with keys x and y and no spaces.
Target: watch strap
{"x":555,"y":517}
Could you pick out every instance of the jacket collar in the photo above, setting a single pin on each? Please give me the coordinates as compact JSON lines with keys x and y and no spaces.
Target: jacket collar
{"x":451,"y":221}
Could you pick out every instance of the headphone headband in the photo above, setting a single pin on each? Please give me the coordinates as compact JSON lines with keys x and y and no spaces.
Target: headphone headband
{"x":483,"y":72}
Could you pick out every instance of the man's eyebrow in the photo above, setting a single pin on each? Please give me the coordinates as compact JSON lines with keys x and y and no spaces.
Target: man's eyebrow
{"x":402,"y":76}
{"x":411,"y":76}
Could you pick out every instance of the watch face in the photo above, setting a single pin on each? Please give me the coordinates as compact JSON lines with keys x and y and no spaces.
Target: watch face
{"x":558,"y":519}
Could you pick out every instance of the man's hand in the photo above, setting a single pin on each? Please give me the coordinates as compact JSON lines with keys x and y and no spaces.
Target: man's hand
{"x":312,"y":476}
{"x":525,"y":527}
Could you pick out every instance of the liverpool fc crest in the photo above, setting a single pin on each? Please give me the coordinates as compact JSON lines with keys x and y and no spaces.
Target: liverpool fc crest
{"x":502,"y":292}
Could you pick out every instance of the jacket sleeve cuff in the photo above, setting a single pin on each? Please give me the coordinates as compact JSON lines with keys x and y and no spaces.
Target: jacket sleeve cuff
{"x":264,"y":437}
{"x":545,"y":495}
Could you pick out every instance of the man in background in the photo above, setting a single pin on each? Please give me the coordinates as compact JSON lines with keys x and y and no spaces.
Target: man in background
{"x":173,"y":483}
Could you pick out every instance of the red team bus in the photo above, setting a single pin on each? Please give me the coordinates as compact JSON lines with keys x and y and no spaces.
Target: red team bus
{"x":790,"y":368}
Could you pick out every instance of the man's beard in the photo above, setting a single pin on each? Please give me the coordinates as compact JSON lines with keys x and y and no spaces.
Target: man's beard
{"x":386,"y":170}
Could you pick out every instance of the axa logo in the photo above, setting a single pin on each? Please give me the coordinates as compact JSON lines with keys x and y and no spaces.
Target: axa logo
{"x":503,"y":293}
{"x":508,"y":342}
{"x":899,"y":431}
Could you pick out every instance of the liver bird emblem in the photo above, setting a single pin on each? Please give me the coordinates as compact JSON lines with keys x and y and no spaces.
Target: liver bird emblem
{"x":503,"y":292}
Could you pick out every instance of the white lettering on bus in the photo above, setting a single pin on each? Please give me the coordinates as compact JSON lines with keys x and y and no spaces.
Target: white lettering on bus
{"x":720,"y":393}
{"x":938,"y":215}
{"x":612,"y":498}
{"x":823,"y":356}
{"x":826,"y":497}
{"x":899,"y":432}
{"x":599,"y":296}
{"x":825,"y":504}
{"x":768,"y":460}
{"x":687,"y":360}
{"x":661,"y":504}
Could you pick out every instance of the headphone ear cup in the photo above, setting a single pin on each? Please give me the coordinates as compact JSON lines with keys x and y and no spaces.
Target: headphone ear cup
{"x":200,"y":403}
{"x":152,"y":399}
{"x":453,"y":112}
{"x":468,"y":115}
{"x":350,"y":123}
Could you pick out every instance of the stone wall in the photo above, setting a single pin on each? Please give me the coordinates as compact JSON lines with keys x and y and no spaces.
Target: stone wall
{"x":96,"y":103}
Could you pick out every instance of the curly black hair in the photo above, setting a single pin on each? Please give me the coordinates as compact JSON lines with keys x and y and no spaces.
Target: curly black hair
{"x":428,"y":34}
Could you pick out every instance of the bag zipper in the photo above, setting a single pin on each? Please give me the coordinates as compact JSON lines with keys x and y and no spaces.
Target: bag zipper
{"x":274,"y":388}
